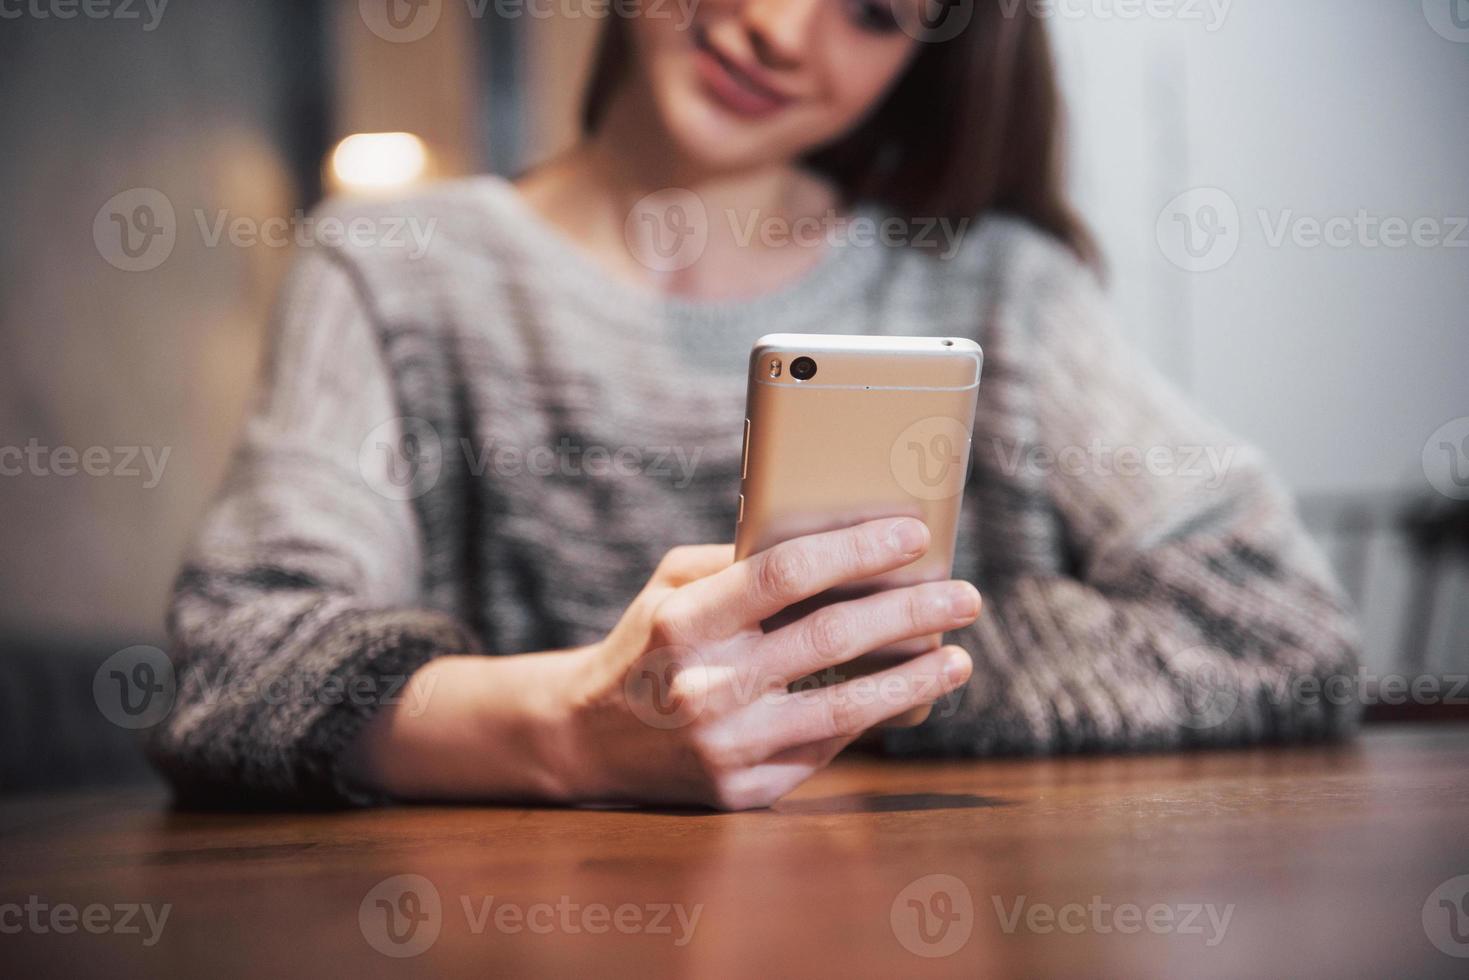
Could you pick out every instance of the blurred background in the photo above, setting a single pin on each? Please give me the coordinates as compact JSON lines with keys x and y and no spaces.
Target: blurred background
{"x":1280,"y":190}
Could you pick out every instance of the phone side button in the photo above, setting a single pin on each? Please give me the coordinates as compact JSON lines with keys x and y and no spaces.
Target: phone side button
{"x":741,"y":518}
{"x":745,"y":452}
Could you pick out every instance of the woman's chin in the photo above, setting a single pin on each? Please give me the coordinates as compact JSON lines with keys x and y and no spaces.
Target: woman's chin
{"x":715,"y":140}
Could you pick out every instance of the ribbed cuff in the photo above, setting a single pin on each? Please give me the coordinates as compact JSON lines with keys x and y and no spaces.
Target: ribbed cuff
{"x":381,"y":649}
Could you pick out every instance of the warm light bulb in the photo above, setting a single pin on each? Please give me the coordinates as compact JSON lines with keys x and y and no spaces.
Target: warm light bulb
{"x":379,"y":161}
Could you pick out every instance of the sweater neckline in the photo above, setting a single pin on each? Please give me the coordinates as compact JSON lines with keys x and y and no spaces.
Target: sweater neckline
{"x":843,"y":268}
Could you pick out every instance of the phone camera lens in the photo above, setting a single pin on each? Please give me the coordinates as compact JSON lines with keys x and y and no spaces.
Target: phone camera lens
{"x":803,"y":369}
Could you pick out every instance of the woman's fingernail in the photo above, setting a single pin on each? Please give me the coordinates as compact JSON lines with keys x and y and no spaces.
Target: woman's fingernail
{"x":963,"y":601}
{"x":908,"y":537}
{"x":956,"y":667}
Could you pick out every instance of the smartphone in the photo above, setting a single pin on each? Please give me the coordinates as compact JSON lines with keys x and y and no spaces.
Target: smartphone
{"x":840,"y":430}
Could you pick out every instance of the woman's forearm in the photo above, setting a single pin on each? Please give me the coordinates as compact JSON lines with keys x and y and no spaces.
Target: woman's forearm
{"x":1065,"y":666}
{"x":473,"y":727}
{"x":688,"y":700}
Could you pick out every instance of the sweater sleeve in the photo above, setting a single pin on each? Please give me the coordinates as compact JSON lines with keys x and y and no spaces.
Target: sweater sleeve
{"x":296,"y":614}
{"x":1191,"y":607}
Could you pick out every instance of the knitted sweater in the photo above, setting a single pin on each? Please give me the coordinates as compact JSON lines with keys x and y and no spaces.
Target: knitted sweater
{"x":487,"y":447}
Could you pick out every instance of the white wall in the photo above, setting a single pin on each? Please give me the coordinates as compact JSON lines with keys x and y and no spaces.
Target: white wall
{"x":1340,"y":362}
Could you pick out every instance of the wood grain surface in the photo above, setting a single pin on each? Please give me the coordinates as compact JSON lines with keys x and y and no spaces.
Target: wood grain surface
{"x":1329,"y":861}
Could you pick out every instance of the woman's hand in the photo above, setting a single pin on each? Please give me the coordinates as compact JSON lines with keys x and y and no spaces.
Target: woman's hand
{"x":687,"y":700}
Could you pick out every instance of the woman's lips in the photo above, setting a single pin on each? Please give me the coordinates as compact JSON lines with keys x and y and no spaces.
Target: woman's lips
{"x":733,"y":88}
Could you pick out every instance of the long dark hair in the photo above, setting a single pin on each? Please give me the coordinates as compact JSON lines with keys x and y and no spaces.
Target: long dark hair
{"x":973,"y":126}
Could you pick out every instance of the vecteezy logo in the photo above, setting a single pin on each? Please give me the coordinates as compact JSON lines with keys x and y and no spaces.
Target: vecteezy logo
{"x":400,"y":21}
{"x":933,"y":917}
{"x":401,"y":459}
{"x":1448,"y":18}
{"x":667,"y":230}
{"x":135,"y":687}
{"x":932,"y":21}
{"x":1446,"y":917}
{"x":135,"y":230}
{"x":401,"y":916}
{"x":930,"y":458}
{"x":1206,"y":691}
{"x":939,"y":451}
{"x":1199,"y":230}
{"x":1446,"y":459}
{"x":654,"y":691}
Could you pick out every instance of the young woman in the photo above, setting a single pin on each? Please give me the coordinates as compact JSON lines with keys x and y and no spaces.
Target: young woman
{"x":462,"y":552}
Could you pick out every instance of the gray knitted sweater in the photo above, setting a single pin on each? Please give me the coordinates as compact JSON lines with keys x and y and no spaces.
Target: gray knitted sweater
{"x":489,"y":445}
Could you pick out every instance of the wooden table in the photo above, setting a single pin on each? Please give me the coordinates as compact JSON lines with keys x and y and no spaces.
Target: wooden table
{"x":1323,"y":860}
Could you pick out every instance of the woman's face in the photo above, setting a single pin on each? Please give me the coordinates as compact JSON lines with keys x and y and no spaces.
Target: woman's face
{"x":751,"y":83}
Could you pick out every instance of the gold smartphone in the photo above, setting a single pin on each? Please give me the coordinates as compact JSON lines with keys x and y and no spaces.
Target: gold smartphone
{"x":841,"y":430}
